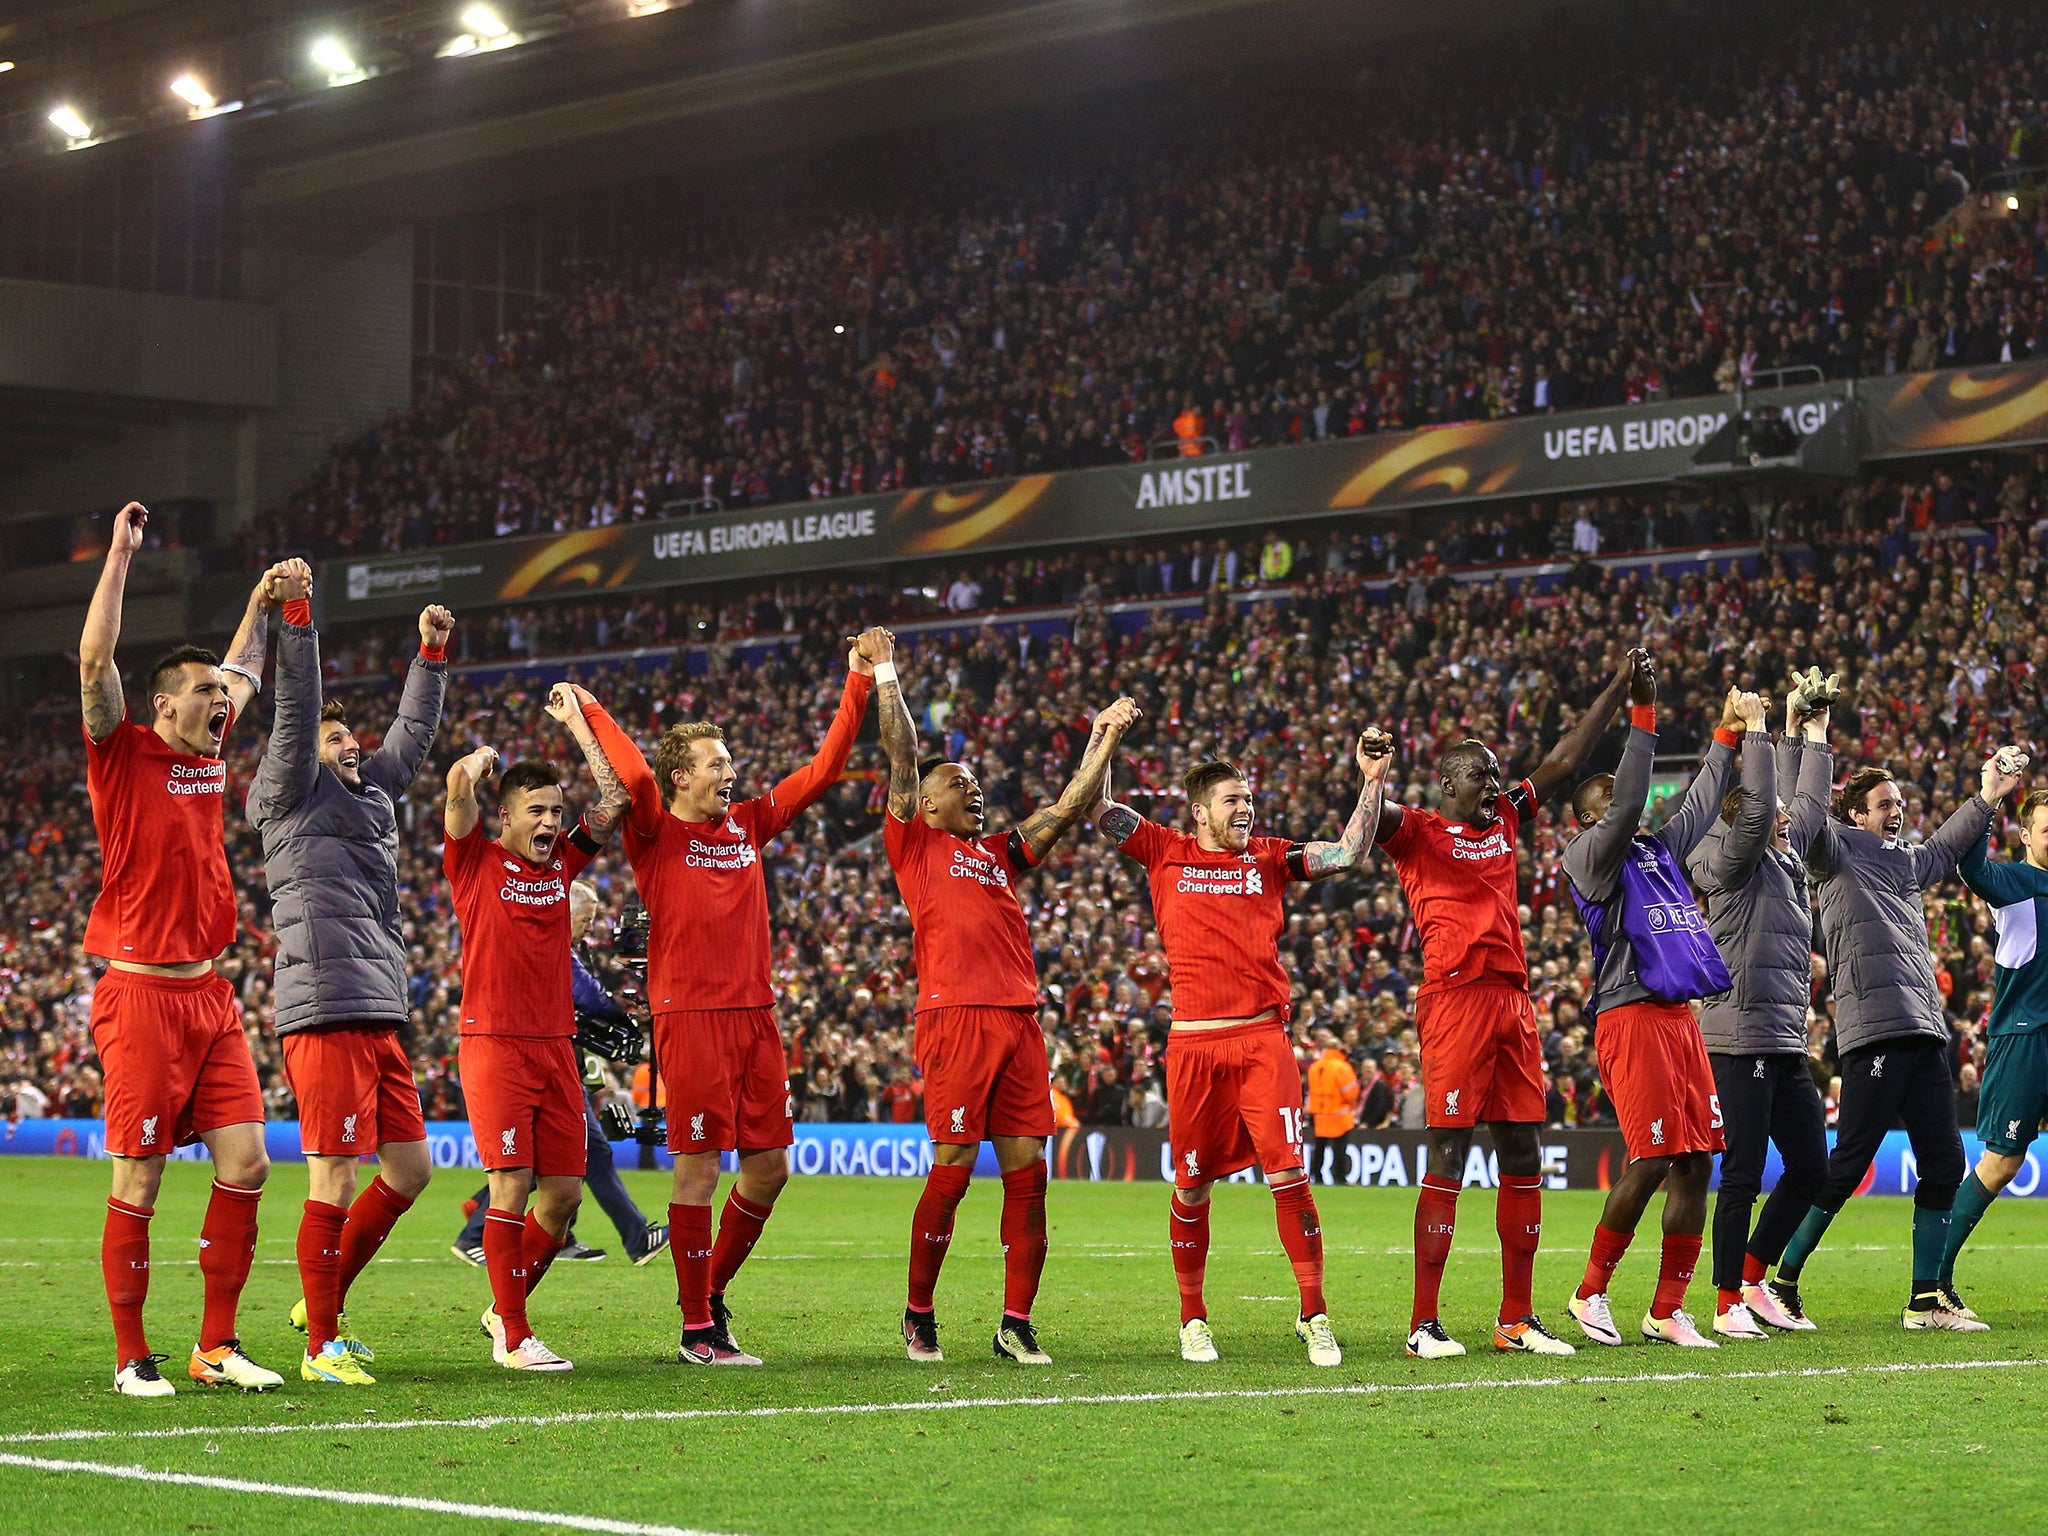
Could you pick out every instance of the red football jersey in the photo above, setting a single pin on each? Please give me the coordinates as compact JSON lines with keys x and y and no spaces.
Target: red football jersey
{"x":165,"y":895}
{"x":1460,"y":884}
{"x":1219,"y":920}
{"x":971,"y":943}
{"x":515,"y":933}
{"x":701,"y":881}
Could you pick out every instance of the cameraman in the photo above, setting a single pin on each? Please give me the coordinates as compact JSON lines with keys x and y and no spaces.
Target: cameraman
{"x":603,"y":1029}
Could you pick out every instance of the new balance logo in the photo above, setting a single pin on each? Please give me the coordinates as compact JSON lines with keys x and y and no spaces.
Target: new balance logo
{"x":348,"y":1127}
{"x":1451,"y":1101}
{"x":958,"y":1126}
{"x":1877,"y":1066}
{"x":149,"y":1131}
{"x":696,"y":1127}
{"x":1759,"y":1069}
{"x":508,"y":1142}
{"x":1656,"y":1133}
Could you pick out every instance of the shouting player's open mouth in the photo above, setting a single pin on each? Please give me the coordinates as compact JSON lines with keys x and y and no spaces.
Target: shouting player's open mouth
{"x":978,"y":809}
{"x":217,"y":722}
{"x":543,"y":845}
{"x":350,"y":759}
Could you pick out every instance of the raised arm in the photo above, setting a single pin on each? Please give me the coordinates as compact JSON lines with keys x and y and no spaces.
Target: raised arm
{"x":796,"y":792}
{"x":1734,"y":859}
{"x":1995,"y":880}
{"x":1699,"y":804}
{"x":1083,"y":793}
{"x":1593,"y":859}
{"x":565,"y":707}
{"x":898,"y":730}
{"x":99,"y":680}
{"x":1576,"y":745}
{"x":411,"y":737}
{"x":244,"y":660}
{"x":1375,"y":755}
{"x":290,"y":768}
{"x":1811,"y":833}
{"x":646,"y":807}
{"x":1935,"y":859}
{"x":459,"y":819}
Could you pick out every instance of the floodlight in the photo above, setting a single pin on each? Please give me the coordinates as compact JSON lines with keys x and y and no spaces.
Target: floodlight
{"x":70,"y":124}
{"x":483,"y":21}
{"x":332,"y":55}
{"x":196,"y":96}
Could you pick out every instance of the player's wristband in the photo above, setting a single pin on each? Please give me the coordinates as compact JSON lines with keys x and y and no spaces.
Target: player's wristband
{"x":433,"y":652}
{"x":582,"y":838}
{"x":885,"y":672}
{"x":299,"y":611}
{"x":1643,"y":716}
{"x":243,"y":672}
{"x":1726,"y":737}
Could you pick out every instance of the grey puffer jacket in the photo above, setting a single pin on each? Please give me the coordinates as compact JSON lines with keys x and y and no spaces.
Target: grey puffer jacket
{"x":330,"y":853}
{"x":1879,"y":961}
{"x":1757,"y":908}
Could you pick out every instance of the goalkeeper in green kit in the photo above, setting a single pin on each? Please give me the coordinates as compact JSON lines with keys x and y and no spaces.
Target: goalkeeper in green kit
{"x":2014,"y":1095}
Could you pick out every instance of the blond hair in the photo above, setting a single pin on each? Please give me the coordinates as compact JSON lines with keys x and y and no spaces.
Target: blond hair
{"x":676,"y":752}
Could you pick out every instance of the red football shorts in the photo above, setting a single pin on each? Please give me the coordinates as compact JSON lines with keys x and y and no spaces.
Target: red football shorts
{"x":355,"y":1090}
{"x":174,"y":1060}
{"x":525,"y":1100}
{"x":1656,"y":1071}
{"x":1481,"y":1058}
{"x":984,"y":1074}
{"x":727,"y":1080}
{"x":1233,"y":1098}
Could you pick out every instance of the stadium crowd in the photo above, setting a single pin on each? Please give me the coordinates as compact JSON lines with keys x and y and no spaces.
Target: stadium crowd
{"x":1663,"y":208}
{"x":1924,"y":592}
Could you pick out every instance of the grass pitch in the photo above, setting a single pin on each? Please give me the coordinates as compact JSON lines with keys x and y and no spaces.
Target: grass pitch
{"x":1860,"y":1426}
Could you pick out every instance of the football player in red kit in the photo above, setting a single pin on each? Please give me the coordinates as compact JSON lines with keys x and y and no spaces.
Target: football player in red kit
{"x":522,"y":1080}
{"x":1233,"y":1087}
{"x":168,"y":1030}
{"x":696,"y":857}
{"x":1482,"y":1061}
{"x":979,"y":1047}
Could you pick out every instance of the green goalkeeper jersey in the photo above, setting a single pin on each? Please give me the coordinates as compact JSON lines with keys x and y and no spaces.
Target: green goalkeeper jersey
{"x":2018,"y":896}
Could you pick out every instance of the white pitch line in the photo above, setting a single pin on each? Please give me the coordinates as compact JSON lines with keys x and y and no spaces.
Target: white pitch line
{"x":943,"y":1405}
{"x":354,"y":1496}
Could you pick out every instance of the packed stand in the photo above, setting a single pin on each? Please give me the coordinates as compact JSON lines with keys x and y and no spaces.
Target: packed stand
{"x":1437,"y":232}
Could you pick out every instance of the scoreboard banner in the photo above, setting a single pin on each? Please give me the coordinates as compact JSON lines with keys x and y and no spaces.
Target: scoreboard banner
{"x":1387,"y":1159}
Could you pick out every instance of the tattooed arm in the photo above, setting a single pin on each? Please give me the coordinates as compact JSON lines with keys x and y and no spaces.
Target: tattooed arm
{"x":898,"y":730}
{"x":1084,"y":793}
{"x":1375,"y":755}
{"x":565,"y":706}
{"x":99,"y":680}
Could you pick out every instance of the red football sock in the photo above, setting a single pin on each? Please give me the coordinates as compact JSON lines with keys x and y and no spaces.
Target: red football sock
{"x":739,"y":1228}
{"x":1674,"y":1274}
{"x":1518,"y":1218}
{"x":931,"y":1228}
{"x":1301,"y":1235}
{"x":505,"y":1258}
{"x":1023,"y":1234}
{"x":1436,"y":1221}
{"x":320,"y":1269}
{"x":1608,"y":1248}
{"x":1753,"y":1269}
{"x":1725,"y":1300}
{"x":540,"y":1247}
{"x":371,"y":1216}
{"x":1188,"y":1232}
{"x":227,"y":1247}
{"x":124,"y":1264}
{"x":689,"y":1240}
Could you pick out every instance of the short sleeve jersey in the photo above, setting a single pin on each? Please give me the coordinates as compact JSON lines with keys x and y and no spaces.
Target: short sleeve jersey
{"x":515,"y":934}
{"x":1220,"y":916}
{"x":970,"y":941}
{"x":165,"y":894}
{"x":1460,"y":884}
